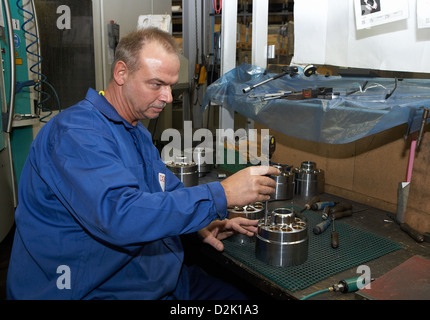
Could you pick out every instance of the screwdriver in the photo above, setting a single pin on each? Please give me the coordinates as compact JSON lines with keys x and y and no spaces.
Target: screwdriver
{"x":334,"y":235}
{"x":310,"y":203}
{"x":339,"y":207}
{"x":321,"y":227}
{"x":341,"y":214}
{"x":321,"y":205}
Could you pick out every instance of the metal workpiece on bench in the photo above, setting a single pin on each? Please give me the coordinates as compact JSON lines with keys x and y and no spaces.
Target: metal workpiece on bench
{"x":185,"y":170}
{"x":284,"y":189}
{"x":283,"y":240}
{"x":309,"y":181}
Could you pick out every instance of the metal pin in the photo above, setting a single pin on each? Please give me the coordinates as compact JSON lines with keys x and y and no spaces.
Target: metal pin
{"x":266,"y":212}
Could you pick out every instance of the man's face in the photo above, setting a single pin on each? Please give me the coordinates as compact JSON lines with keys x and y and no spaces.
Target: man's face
{"x":148,"y":89}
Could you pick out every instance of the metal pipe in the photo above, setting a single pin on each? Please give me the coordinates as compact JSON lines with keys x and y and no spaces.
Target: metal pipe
{"x":39,"y":66}
{"x":11,"y":108}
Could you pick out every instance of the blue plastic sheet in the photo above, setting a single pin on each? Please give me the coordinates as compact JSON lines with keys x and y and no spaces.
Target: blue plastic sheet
{"x":360,"y":110}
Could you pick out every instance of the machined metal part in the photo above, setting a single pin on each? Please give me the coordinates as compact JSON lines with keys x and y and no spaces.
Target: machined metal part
{"x":186,"y":171}
{"x":309,"y":181}
{"x":203,"y":157}
{"x":282,"y":241}
{"x":253,"y":212}
{"x":284,"y":184}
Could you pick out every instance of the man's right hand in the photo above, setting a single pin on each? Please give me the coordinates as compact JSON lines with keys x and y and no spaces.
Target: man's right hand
{"x":250,"y":185}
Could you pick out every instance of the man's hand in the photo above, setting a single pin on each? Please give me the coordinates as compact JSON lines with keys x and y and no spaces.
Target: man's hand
{"x":219,"y":230}
{"x":250,"y":185}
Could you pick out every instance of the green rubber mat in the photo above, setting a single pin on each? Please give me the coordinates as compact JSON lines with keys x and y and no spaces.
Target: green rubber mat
{"x":356,"y":247}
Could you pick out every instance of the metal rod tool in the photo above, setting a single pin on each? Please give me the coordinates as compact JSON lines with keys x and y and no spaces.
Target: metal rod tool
{"x":290,"y":71}
{"x":266,"y":212}
{"x":334,"y":235}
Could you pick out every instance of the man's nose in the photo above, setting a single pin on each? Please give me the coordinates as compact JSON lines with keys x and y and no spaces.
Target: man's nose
{"x":167,"y":94}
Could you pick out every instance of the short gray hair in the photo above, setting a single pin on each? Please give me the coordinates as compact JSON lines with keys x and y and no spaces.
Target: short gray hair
{"x":129,"y":46}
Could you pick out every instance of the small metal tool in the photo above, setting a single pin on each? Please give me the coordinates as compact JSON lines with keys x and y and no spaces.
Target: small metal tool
{"x":266,"y":212}
{"x":334,"y":235}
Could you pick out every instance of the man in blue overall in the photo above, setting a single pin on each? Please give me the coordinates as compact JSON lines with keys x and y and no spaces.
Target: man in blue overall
{"x":100,"y":215}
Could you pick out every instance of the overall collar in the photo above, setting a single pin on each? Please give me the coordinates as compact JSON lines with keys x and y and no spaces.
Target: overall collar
{"x":98,"y":100}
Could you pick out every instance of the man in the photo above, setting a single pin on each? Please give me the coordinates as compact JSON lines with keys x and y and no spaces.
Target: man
{"x":99,"y":214}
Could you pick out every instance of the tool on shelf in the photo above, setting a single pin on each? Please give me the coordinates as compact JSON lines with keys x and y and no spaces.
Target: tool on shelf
{"x":290,"y":70}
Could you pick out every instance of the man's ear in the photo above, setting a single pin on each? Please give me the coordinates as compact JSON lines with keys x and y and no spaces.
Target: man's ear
{"x":120,"y":73}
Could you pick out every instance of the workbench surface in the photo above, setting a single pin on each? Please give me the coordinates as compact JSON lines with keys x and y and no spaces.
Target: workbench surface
{"x":369,"y":219}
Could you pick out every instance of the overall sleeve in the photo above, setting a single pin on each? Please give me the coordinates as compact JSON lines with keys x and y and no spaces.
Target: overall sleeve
{"x":122,"y":203}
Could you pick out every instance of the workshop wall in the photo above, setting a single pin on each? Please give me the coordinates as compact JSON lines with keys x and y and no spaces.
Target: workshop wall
{"x":367,"y":170}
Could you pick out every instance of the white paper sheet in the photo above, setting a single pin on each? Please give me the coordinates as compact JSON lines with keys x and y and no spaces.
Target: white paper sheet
{"x":423,"y":13}
{"x":326,"y":33}
{"x":370,"y":13}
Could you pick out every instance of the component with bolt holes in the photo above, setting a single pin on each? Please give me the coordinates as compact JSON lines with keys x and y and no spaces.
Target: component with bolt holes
{"x":282,"y":241}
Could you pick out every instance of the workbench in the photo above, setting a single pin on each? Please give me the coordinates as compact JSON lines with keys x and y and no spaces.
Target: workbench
{"x":370,"y":220}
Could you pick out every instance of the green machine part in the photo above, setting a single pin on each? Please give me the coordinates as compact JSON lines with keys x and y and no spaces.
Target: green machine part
{"x":21,"y":137}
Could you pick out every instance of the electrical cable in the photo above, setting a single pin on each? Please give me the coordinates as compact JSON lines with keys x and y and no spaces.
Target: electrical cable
{"x":42,"y":79}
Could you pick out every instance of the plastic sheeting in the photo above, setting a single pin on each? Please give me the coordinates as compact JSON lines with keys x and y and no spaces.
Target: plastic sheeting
{"x":360,"y":110}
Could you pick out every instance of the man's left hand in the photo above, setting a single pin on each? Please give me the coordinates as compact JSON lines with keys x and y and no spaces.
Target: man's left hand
{"x":219,"y":230}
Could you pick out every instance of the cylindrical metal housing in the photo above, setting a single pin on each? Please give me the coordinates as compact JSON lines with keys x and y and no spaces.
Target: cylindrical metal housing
{"x":253,"y":212}
{"x":284,"y":184}
{"x":309,"y":181}
{"x":186,"y":171}
{"x":284,"y":240}
{"x":203,"y":157}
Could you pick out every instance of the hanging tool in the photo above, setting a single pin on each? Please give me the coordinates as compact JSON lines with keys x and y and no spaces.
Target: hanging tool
{"x":290,"y":70}
{"x":217,"y":8}
{"x":392,"y":91}
{"x":310,"y":203}
{"x":334,"y":235}
{"x":423,"y":123}
{"x":321,"y":227}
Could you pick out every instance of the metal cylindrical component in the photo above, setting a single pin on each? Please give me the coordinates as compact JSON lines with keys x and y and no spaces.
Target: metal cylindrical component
{"x":309,"y":181}
{"x":186,"y":171}
{"x":284,"y":240}
{"x":253,"y":212}
{"x":203,"y":157}
{"x":284,"y":184}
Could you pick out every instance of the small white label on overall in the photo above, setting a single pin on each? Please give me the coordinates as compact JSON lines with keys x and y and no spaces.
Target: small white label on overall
{"x":162,"y":180}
